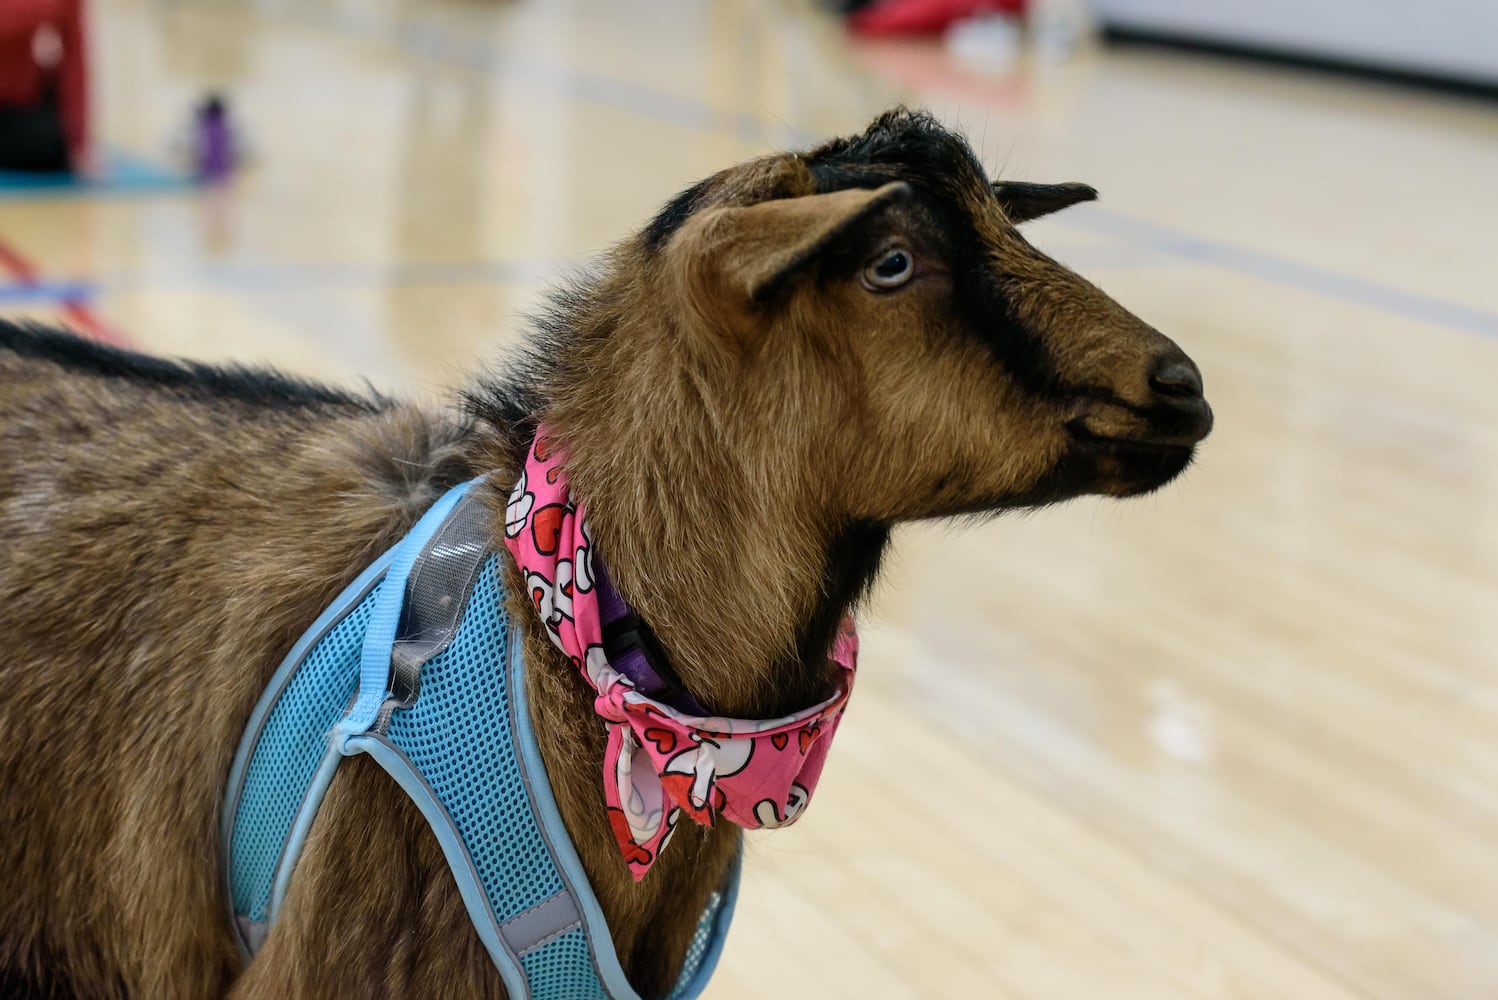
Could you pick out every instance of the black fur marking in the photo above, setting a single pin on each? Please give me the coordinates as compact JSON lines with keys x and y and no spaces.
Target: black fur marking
{"x":190,"y":379}
{"x":852,"y":563}
{"x":902,"y":145}
{"x":505,"y":404}
{"x":674,"y":215}
{"x":985,"y":310}
{"x":1022,"y":202}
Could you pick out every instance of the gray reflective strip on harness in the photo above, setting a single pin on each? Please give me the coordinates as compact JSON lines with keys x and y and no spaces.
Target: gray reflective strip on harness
{"x":552,"y":916}
{"x":437,"y":593}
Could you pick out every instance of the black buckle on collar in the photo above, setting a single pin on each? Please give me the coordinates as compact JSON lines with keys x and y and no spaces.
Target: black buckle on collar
{"x":629,"y":632}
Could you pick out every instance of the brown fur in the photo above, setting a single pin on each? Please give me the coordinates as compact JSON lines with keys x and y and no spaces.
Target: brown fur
{"x":746,"y":421}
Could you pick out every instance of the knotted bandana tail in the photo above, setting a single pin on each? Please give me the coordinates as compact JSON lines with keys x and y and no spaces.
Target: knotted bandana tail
{"x":661,"y":762}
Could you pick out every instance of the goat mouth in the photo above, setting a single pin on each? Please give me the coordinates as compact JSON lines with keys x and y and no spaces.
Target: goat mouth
{"x":1124,"y":444}
{"x":1128,"y":466}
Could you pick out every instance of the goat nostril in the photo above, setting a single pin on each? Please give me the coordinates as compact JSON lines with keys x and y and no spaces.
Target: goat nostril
{"x":1177,"y":377}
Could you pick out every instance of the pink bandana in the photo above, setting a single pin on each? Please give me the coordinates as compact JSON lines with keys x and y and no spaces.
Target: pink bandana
{"x":661,"y":762}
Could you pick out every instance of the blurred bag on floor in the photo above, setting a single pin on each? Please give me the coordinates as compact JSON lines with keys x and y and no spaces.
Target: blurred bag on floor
{"x":43,"y":86}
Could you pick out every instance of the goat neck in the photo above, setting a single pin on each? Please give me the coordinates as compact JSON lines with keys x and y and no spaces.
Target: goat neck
{"x":726,"y":546}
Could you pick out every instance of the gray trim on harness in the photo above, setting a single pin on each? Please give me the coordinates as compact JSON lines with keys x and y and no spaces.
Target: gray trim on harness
{"x":296,"y":839}
{"x":549,"y":918}
{"x":251,"y":932}
{"x":437,"y":592}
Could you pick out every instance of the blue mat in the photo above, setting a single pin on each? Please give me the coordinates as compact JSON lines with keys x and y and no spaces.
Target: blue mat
{"x":45,"y":292}
{"x":122,"y":174}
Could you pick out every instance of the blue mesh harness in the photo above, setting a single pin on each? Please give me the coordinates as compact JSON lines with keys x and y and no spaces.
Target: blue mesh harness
{"x":416,"y":664}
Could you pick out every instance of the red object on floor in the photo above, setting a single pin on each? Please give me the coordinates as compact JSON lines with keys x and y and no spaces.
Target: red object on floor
{"x":80,"y":315}
{"x":925,"y":17}
{"x":24,"y":82}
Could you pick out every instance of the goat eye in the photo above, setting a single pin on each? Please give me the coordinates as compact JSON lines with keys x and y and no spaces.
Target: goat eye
{"x":890,"y":269}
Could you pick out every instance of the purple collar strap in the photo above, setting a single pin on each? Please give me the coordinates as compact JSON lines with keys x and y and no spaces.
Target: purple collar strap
{"x":633,"y":651}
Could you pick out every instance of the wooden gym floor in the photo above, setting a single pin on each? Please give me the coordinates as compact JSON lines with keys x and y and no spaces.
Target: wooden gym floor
{"x":1239,"y":739}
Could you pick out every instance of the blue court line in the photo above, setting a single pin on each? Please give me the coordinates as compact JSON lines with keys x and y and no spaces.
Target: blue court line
{"x":1281,"y":270}
{"x":120,"y":173}
{"x":1111,"y":256}
{"x":237,"y":277}
{"x":49,"y":292}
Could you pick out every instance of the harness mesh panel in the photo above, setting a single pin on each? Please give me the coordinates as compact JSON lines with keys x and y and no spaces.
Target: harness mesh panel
{"x":697,"y":950}
{"x":563,"y":970}
{"x":291,"y":744}
{"x":463,"y":693}
{"x":457,"y":736}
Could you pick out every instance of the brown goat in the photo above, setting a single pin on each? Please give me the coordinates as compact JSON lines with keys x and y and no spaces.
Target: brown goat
{"x":799,"y":352}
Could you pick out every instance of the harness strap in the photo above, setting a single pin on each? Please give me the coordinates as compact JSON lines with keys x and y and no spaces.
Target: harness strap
{"x":458,"y":742}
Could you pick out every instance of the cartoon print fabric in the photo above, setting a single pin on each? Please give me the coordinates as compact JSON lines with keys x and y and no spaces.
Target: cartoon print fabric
{"x":661,"y":763}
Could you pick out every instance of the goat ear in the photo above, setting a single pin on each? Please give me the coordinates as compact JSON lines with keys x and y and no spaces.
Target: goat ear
{"x":758,"y":248}
{"x":1023,"y":202}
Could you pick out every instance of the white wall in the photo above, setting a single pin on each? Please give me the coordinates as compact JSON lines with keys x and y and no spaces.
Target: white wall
{"x":1455,"y":38}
